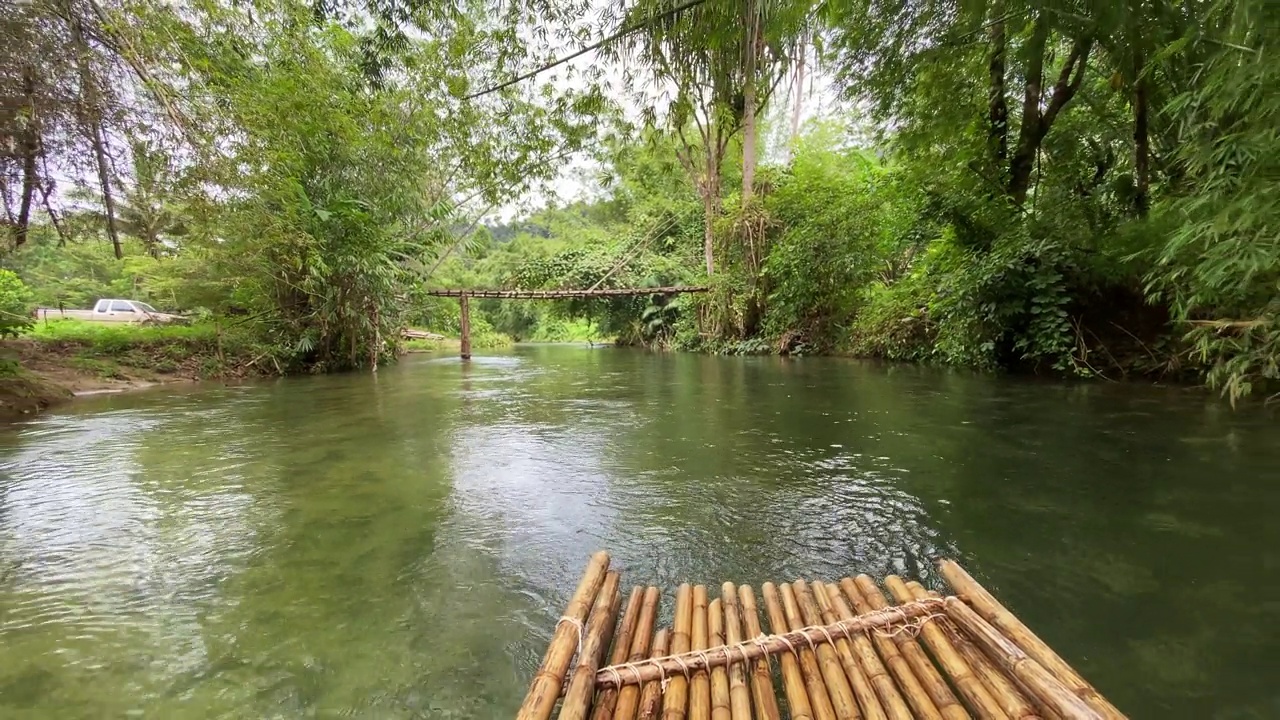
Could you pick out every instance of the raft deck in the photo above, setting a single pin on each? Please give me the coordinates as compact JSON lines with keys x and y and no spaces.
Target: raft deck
{"x":839,"y":650}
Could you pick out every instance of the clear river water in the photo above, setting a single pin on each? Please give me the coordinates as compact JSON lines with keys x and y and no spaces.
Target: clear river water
{"x":401,"y":546}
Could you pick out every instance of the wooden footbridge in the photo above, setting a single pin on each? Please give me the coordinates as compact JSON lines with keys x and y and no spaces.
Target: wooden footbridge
{"x":843,"y":651}
{"x":464,"y":296}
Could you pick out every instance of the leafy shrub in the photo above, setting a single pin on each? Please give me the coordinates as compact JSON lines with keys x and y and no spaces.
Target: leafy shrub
{"x":15,"y":304}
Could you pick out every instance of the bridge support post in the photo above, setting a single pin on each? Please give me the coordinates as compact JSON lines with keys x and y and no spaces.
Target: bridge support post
{"x":464,"y":326}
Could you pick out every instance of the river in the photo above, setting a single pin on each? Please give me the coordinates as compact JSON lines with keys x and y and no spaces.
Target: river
{"x":401,"y":546}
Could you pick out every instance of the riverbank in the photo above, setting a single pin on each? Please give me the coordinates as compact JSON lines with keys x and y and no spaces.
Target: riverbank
{"x":56,"y":361}
{"x":37,"y":375}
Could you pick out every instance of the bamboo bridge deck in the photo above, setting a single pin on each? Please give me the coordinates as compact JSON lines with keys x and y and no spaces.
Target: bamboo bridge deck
{"x":464,"y":305}
{"x":835,"y":651}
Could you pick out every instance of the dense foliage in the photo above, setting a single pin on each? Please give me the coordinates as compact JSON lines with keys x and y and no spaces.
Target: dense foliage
{"x":1057,"y":186}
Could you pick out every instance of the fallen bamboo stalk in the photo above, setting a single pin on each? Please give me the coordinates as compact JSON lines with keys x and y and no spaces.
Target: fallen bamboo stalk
{"x":565,"y":294}
{"x":720,"y":703}
{"x":766,"y":702}
{"x":1031,"y":673}
{"x":1006,"y":691}
{"x":641,"y":645}
{"x":824,"y":707}
{"x":582,"y":682}
{"x":798,"y":703}
{"x":544,"y":691}
{"x":700,"y":685}
{"x":677,"y":696}
{"x":990,"y":609}
{"x":651,"y":693}
{"x":963,"y":678}
{"x":890,"y":697}
{"x":637,"y":671}
{"x":739,"y":695}
{"x":834,"y":676}
{"x":607,"y":699}
{"x":921,"y":666}
{"x":858,"y":680}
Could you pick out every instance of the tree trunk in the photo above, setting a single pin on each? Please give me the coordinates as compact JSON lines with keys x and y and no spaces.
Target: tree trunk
{"x":998,"y":108}
{"x":1141,"y":137}
{"x":92,"y":117}
{"x":53,"y":215}
{"x":708,"y":233}
{"x":30,"y":149}
{"x":749,"y":107}
{"x":1029,"y":132}
{"x":798,"y":102}
{"x":104,"y":177}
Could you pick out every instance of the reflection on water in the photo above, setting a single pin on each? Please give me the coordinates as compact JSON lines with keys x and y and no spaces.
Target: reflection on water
{"x":400,"y":546}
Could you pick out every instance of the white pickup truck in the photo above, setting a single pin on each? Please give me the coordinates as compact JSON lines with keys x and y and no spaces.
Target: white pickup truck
{"x":112,"y":310}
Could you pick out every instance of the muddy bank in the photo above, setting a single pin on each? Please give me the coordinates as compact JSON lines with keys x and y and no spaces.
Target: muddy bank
{"x":40,"y":375}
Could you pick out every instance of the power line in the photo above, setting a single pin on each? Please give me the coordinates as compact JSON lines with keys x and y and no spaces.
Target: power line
{"x":596,"y":46}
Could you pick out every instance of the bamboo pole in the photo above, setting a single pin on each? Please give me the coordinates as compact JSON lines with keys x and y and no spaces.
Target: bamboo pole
{"x":990,"y":609}
{"x":792,"y":680}
{"x":651,"y":693}
{"x":544,"y":692}
{"x":890,"y":698}
{"x":582,"y":682}
{"x":720,"y":702}
{"x":563,"y":294}
{"x":858,"y":680}
{"x":642,"y":671}
{"x":823,"y":704}
{"x":739,"y":695}
{"x":677,"y":696}
{"x":842,"y":697}
{"x":766,"y":702}
{"x":1031,"y":673}
{"x":911,"y":651}
{"x":700,"y":685}
{"x":607,"y":699}
{"x":966,"y":682}
{"x":464,"y":326}
{"x":641,"y":643}
{"x":1006,"y":691}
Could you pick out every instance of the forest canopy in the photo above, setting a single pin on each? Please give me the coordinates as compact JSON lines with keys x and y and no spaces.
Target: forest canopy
{"x":1061,"y":186}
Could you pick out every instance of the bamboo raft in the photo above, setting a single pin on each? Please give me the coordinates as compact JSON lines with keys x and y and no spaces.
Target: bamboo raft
{"x":834,"y":651}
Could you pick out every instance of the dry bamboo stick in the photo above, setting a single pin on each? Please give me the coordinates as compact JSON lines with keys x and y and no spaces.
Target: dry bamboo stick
{"x":766,"y":702}
{"x":819,"y":697}
{"x":890,"y":698}
{"x":720,"y":703}
{"x":966,"y":682}
{"x":544,"y":692}
{"x":582,"y":682}
{"x":700,"y":685}
{"x":990,"y":609}
{"x":607,"y":698}
{"x":792,"y":680}
{"x":911,"y":651}
{"x":651,"y":693}
{"x":858,"y":680}
{"x":677,"y":696}
{"x":1031,"y":673}
{"x":643,"y":671}
{"x":641,"y":643}
{"x":842,"y":697}
{"x":739,"y":695}
{"x":1006,"y":691}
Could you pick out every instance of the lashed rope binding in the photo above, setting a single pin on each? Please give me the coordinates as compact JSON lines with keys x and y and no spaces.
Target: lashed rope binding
{"x":888,"y":622}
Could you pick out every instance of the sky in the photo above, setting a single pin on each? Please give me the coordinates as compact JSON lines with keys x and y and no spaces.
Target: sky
{"x":576,"y":180}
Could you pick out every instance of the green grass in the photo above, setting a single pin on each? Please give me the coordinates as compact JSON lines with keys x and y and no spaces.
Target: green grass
{"x":119,"y":334}
{"x":564,"y":330}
